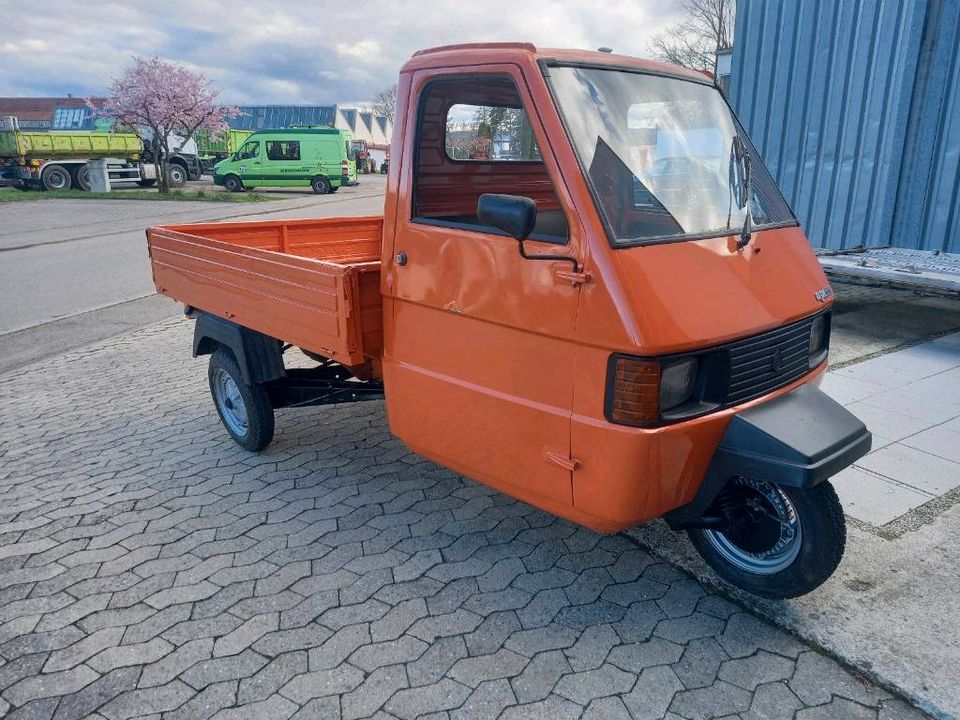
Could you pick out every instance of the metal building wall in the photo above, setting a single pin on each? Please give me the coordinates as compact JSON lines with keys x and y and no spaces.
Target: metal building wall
{"x":855,"y":106}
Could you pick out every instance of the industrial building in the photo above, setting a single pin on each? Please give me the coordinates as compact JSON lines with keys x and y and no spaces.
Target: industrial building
{"x":855,"y":107}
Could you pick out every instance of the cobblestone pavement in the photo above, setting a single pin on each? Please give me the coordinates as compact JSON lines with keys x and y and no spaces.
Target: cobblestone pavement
{"x":148,"y":566}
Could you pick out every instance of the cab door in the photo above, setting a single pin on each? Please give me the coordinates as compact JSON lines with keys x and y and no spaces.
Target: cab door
{"x":478,"y":359}
{"x":249,"y":165}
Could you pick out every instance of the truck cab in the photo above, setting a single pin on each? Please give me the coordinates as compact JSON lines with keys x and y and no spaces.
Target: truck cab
{"x":592,"y":297}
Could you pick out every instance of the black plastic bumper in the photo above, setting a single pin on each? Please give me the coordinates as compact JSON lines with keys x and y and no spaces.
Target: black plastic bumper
{"x":798,"y":439}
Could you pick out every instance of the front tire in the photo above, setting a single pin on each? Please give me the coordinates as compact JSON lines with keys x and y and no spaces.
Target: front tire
{"x":320,"y":185}
{"x":244,"y":408}
{"x":776,"y":541}
{"x":177,"y":175}
{"x":233,"y":184}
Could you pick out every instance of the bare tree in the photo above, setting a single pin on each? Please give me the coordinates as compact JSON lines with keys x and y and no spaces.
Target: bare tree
{"x":385,"y":102}
{"x":707,"y":26}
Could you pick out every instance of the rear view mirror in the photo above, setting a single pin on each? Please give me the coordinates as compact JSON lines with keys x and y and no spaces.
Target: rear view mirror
{"x":513,"y":214}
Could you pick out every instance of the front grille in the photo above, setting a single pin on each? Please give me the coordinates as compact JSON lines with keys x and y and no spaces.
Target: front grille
{"x":763,"y":363}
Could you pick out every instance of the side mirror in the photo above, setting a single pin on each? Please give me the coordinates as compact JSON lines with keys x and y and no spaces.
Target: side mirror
{"x":513,"y":214}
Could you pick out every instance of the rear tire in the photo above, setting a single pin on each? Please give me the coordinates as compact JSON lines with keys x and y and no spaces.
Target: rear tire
{"x":56,"y":177}
{"x":320,"y":185}
{"x":147,"y":183}
{"x":232,"y":183}
{"x":780,"y":542}
{"x":244,"y":409}
{"x":83,"y":177}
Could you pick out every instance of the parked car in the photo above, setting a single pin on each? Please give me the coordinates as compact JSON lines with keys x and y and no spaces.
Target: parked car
{"x":534,"y":327}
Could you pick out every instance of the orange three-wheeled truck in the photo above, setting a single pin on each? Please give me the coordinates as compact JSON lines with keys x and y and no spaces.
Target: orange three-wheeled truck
{"x":585,"y":291}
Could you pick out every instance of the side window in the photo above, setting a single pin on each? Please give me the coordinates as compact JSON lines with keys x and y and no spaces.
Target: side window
{"x":249,"y":150}
{"x":474,"y":137}
{"x":489,"y":133}
{"x":283,"y":149}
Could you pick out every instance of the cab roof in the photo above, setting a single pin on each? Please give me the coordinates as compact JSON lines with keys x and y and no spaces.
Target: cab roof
{"x":475,"y":53}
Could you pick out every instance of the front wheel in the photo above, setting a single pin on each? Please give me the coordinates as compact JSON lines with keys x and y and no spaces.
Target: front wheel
{"x":233,"y":184}
{"x":176,"y":175}
{"x":774,"y":541}
{"x":244,"y":408}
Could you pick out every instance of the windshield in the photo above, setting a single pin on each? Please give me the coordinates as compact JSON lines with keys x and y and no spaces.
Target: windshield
{"x":659,"y":155}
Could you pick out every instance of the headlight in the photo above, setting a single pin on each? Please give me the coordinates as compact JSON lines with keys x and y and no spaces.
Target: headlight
{"x":677,"y":383}
{"x":819,"y":334}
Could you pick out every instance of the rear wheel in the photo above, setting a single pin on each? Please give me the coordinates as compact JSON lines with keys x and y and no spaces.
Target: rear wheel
{"x":233,"y":184}
{"x":774,"y":541}
{"x":55,"y":177}
{"x":83,"y":177}
{"x":320,"y":185}
{"x":244,"y":408}
{"x":147,"y":183}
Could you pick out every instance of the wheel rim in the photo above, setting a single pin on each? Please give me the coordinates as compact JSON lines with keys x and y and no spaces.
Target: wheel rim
{"x":763,"y":534}
{"x":229,"y":401}
{"x":57,"y":180}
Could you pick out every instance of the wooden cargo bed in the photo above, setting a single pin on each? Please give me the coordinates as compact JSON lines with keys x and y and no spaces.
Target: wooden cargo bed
{"x":312,"y":283}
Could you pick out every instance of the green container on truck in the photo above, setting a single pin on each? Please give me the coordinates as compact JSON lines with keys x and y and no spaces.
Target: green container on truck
{"x":213,"y":149}
{"x":317,"y":157}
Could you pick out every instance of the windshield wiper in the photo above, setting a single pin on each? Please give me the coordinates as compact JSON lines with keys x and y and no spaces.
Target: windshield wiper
{"x":740,"y":157}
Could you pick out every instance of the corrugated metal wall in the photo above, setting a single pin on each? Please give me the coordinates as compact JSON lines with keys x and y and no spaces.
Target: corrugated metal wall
{"x":855,"y":106}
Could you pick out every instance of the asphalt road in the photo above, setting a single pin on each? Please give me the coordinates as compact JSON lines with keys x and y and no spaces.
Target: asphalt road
{"x":76,"y":271}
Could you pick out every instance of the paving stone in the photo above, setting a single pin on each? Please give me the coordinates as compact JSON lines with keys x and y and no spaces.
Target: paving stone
{"x":272,"y":677}
{"x":492,"y":632}
{"x":162,"y":698}
{"x":373,"y":692}
{"x":436,"y":661}
{"x":275,"y":708}
{"x":745,"y":634}
{"x":591,"y":649}
{"x":126,"y":655}
{"x":540,"y":676}
{"x":247,"y":634}
{"x":474,"y":670}
{"x":554,"y":707}
{"x":700,"y":662}
{"x":339,"y":646}
{"x":207,"y":702}
{"x":607,"y":708}
{"x":817,"y":679}
{"x":755,"y":670}
{"x":73,"y":655}
{"x":837,"y":709}
{"x":718,"y":699}
{"x":335,"y":681}
{"x":488,"y":700}
{"x":49,"y":684}
{"x":582,"y":687}
{"x":404,"y":649}
{"x":181,"y":659}
{"x":282,"y":641}
{"x":653,"y":693}
{"x":81,"y":704}
{"x":773,"y":701}
{"x":232,"y":667}
{"x":413,"y":702}
{"x":636,"y":657}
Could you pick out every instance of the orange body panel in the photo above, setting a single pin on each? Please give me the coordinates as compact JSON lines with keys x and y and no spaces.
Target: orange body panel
{"x":494,"y":365}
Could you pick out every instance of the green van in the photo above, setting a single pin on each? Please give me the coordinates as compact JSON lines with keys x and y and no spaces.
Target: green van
{"x":315,"y":157}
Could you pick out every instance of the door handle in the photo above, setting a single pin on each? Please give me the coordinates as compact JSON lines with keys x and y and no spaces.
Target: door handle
{"x":401,"y":258}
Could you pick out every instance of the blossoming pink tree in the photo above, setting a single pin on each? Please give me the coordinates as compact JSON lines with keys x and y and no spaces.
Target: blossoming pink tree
{"x":160,"y":100}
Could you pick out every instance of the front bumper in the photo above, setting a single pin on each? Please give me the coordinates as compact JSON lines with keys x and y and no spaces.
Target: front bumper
{"x":798,"y":439}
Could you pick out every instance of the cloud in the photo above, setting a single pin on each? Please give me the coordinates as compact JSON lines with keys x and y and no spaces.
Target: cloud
{"x":264,"y":52}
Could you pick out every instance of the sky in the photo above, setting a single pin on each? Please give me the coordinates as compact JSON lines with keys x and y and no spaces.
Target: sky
{"x":265,"y":52}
